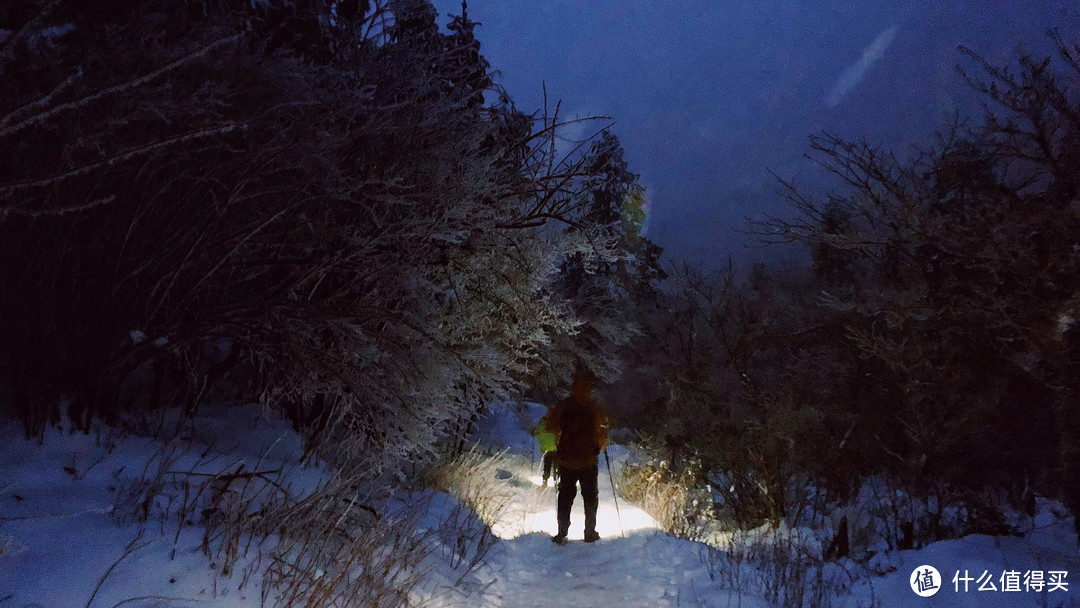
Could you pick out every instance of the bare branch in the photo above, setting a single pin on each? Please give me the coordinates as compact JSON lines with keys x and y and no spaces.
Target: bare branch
{"x":120,"y":88}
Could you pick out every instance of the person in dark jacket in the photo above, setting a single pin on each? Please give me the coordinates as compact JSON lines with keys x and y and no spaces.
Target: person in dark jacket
{"x":579,"y":424}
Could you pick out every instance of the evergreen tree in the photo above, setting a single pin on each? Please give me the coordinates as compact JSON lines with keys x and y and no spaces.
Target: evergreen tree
{"x":613,"y":271}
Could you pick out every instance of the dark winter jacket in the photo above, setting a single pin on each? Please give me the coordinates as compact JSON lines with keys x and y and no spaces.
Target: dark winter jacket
{"x":579,"y":423}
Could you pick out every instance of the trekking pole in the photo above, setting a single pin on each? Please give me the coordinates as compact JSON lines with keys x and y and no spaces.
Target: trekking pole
{"x":614,"y":494}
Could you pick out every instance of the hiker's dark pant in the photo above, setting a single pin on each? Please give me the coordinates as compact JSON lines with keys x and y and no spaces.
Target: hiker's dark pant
{"x":549,"y":461}
{"x":590,"y":493}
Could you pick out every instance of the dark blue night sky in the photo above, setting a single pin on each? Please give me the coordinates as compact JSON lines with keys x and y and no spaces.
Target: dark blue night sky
{"x":709,"y":95}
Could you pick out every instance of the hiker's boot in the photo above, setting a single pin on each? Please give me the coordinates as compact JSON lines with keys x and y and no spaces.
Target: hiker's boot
{"x":560,"y":538}
{"x":591,"y":536}
{"x":590,"y":520}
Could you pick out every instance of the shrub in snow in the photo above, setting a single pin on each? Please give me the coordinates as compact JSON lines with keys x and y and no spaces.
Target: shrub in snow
{"x":476,"y":478}
{"x":672,"y":497}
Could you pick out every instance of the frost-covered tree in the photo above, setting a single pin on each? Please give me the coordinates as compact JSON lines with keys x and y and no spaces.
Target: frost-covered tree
{"x":952,"y":271}
{"x":925,"y":367}
{"x":310,"y":204}
{"x":614,"y":269}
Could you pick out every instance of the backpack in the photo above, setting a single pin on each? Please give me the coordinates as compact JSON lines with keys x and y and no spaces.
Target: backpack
{"x":578,"y":441}
{"x":544,"y":436}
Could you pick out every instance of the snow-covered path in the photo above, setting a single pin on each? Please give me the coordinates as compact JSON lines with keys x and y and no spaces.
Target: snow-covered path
{"x":633,"y":564}
{"x":644,"y":568}
{"x":640,"y":570}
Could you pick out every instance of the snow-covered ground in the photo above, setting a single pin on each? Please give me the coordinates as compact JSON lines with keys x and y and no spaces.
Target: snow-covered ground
{"x":64,"y":541}
{"x":70,"y":535}
{"x":77,"y":530}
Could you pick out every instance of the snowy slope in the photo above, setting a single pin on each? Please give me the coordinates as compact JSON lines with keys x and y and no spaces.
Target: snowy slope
{"x":71,"y":535}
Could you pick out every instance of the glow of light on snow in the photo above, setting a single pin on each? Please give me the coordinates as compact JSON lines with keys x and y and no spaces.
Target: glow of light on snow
{"x":537,"y":480}
{"x":607,"y":522}
{"x":856,"y":71}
